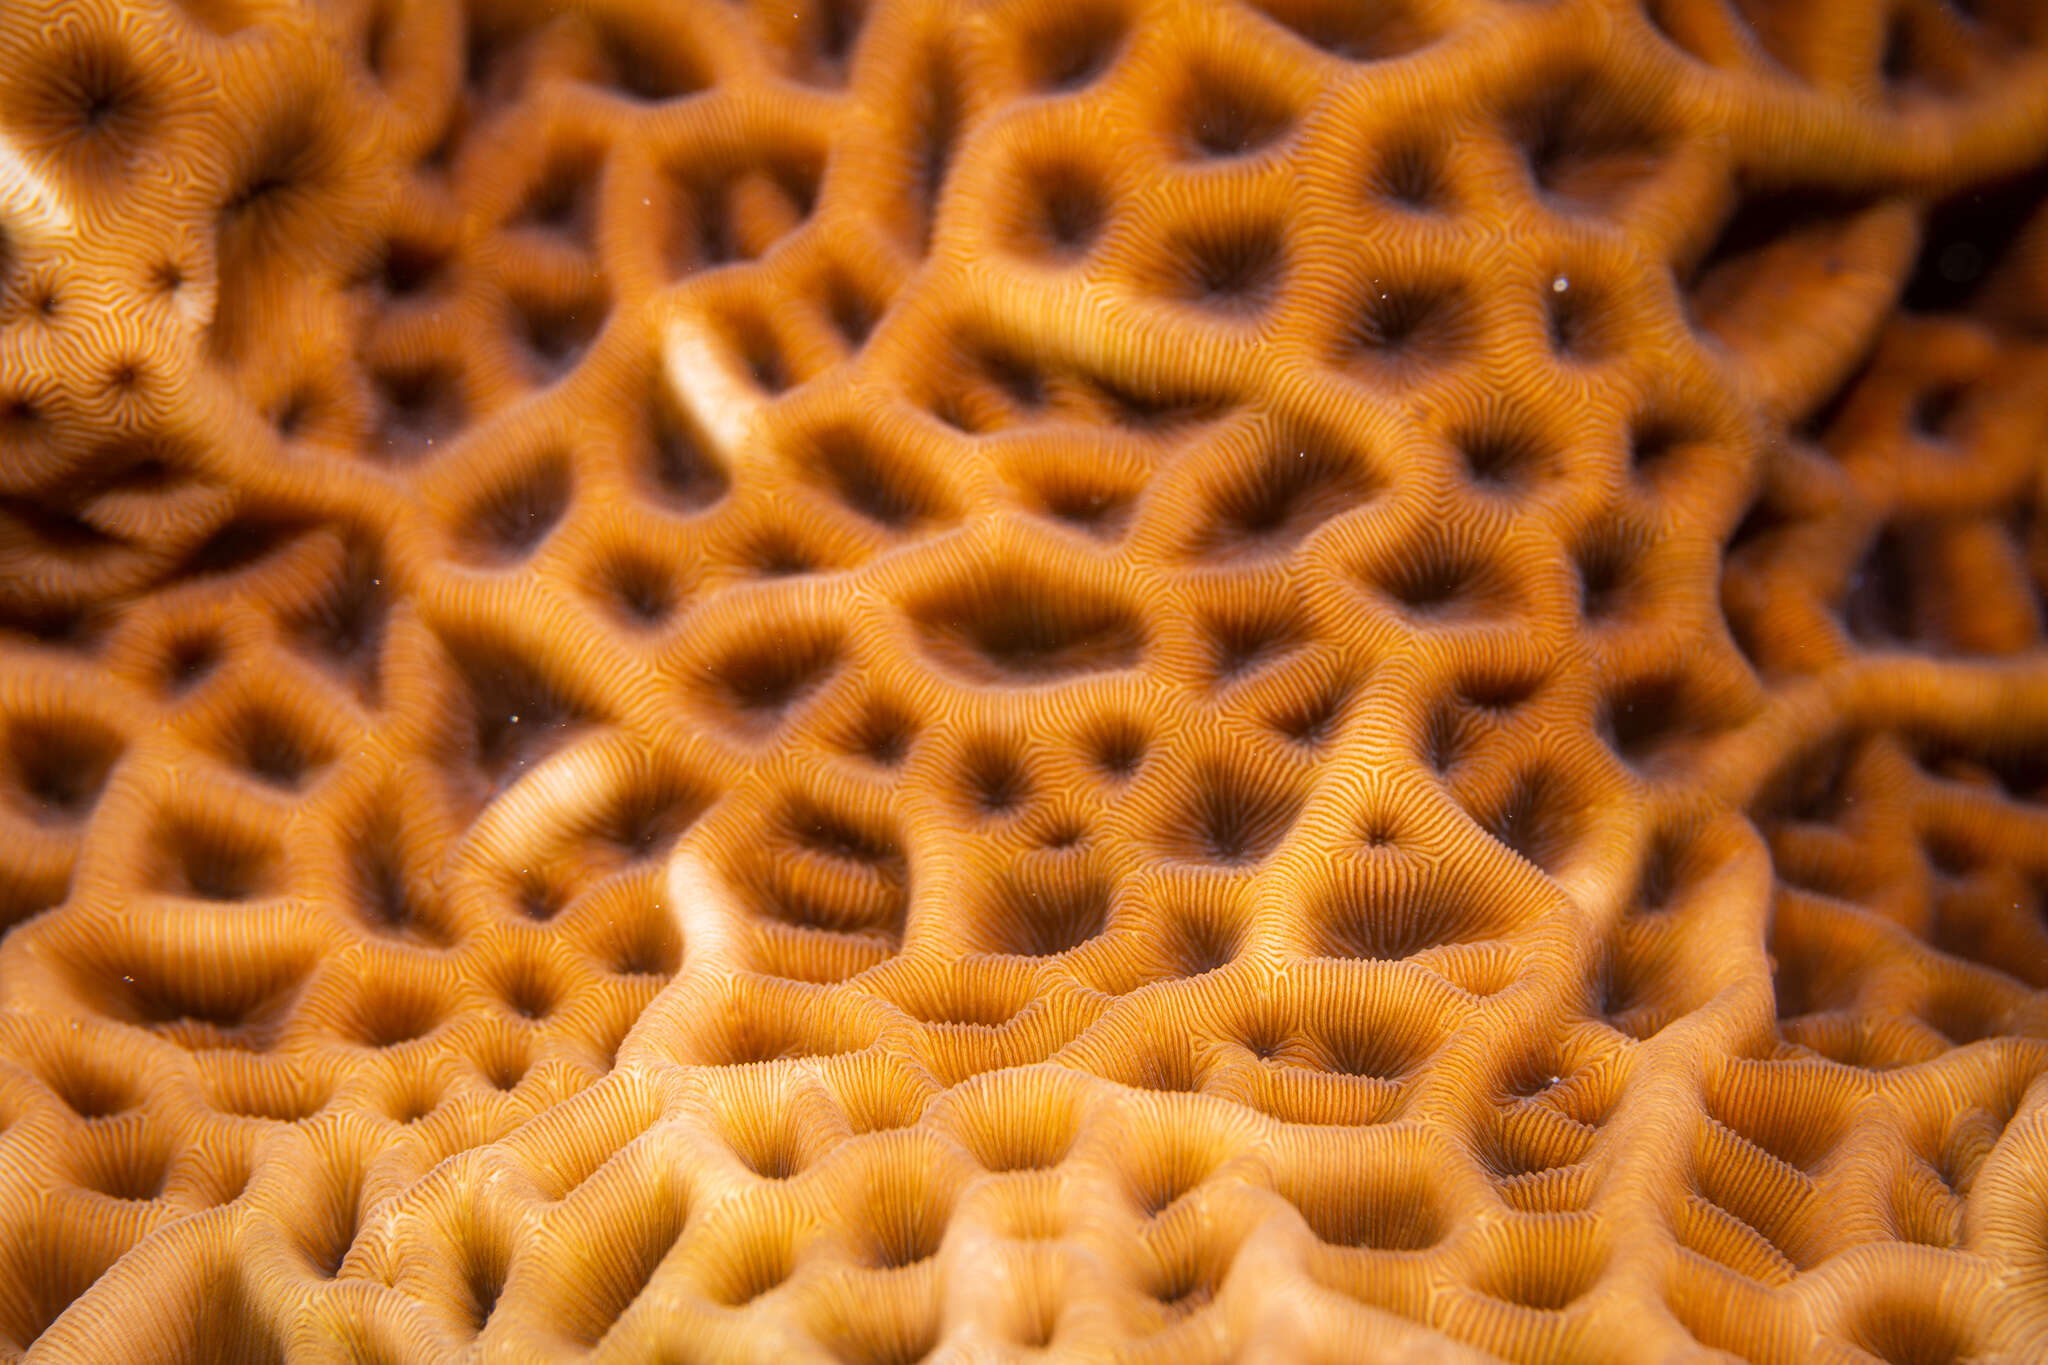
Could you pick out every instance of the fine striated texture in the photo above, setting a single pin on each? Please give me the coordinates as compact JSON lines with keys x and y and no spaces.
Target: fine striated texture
{"x":811,"y":681}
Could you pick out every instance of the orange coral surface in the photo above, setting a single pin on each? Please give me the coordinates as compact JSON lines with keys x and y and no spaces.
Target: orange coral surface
{"x":1095,"y":679}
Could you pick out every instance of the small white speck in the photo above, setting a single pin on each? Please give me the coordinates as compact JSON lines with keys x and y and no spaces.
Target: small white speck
{"x":513,"y":719}
{"x":1559,"y":285}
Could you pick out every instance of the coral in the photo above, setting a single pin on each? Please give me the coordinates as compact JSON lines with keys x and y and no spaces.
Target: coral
{"x":1109,"y":679}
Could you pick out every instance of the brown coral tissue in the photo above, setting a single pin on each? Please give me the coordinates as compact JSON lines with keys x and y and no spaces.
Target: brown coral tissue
{"x":1152,"y":681}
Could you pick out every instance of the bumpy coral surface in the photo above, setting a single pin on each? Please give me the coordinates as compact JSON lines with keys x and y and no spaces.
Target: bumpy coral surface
{"x":1289,"y":680}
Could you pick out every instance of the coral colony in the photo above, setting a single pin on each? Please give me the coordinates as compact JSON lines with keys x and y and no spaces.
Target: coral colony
{"x":808,"y":681}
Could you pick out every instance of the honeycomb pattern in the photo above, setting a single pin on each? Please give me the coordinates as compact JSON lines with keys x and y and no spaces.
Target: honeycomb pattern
{"x":1087,"y":679}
